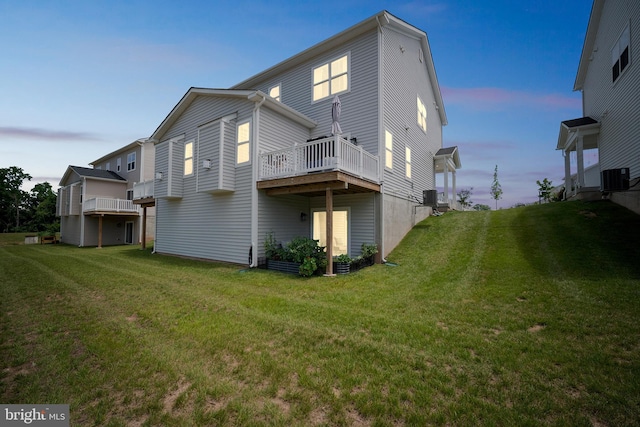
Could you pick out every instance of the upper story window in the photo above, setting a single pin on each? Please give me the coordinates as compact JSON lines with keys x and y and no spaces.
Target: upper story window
{"x":407,"y":160}
{"x":243,"y":139}
{"x":422,"y":115}
{"x":388,"y":149}
{"x":108,"y":167}
{"x":131,"y":161}
{"x":620,"y":54}
{"x":188,"y":158}
{"x":118,"y":164}
{"x":331,"y":78}
{"x":274,"y":92}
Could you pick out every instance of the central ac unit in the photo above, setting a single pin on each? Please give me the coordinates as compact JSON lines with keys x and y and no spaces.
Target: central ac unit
{"x":615,"y":179}
{"x":430,"y":198}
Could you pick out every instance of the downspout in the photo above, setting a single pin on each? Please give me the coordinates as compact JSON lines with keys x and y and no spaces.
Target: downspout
{"x":253,"y":250}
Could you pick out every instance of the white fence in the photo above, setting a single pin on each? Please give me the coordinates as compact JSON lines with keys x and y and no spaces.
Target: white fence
{"x":327,"y":154}
{"x":143,"y":190}
{"x":102,"y":204}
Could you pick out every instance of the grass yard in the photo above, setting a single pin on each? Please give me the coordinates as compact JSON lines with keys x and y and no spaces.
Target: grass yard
{"x":527,"y":316}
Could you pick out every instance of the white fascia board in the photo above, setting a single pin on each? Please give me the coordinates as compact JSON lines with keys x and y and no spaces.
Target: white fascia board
{"x":282,"y":109}
{"x":127,"y":148}
{"x":589,"y":44}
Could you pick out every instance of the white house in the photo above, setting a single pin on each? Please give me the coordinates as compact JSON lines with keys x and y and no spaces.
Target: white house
{"x":609,"y":80}
{"x":267,"y":156}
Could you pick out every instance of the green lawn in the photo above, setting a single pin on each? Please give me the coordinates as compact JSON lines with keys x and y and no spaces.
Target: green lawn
{"x":527,"y":316}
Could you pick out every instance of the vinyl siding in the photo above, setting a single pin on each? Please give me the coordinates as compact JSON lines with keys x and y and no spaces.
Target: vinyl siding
{"x":404,"y":79}
{"x":362,"y":221}
{"x":616,"y":104}
{"x":161,"y":186}
{"x":280,"y":215}
{"x":70,"y":230}
{"x":203,"y":225}
{"x":277,"y":132}
{"x":359,"y":105}
{"x":109,"y":189}
{"x":113,"y":229}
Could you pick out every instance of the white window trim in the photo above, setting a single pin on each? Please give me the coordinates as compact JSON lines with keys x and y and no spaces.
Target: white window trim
{"x":328,"y":62}
{"x":422,"y":124}
{"x":346,"y":209}
{"x":408,"y":168}
{"x":243,"y":143}
{"x":192,"y":158}
{"x":135,"y":161}
{"x":118,"y":164}
{"x":616,"y":47}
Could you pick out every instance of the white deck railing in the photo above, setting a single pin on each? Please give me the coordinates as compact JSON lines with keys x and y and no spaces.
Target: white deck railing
{"x":143,"y":190}
{"x":103,"y":204}
{"x":327,"y":154}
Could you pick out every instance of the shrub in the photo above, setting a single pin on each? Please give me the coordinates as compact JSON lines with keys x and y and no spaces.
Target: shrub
{"x":301,"y":250}
{"x":308,"y":267}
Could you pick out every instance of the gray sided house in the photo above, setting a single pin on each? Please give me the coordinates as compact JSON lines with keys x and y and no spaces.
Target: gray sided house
{"x":266,"y":156}
{"x":609,"y":78}
{"x":96,"y":205}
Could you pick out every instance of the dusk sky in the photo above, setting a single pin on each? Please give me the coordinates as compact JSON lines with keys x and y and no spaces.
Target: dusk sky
{"x":79,"y":79}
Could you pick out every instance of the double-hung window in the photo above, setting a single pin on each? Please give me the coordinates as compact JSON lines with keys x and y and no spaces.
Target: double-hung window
{"x":620,"y":54}
{"x":331,"y":78}
{"x":131,"y":161}
{"x":407,"y":160}
{"x":188,"y":158}
{"x":243,"y":139}
{"x":422,"y":115}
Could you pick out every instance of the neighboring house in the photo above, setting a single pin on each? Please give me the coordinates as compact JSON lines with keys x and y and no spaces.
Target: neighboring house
{"x":265,"y":156}
{"x":609,"y":79}
{"x":96,"y":204}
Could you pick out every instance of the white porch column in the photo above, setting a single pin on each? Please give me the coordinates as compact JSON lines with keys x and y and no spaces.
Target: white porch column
{"x":453,"y":186}
{"x":579,"y":152}
{"x":446,"y":181}
{"x":567,"y":173}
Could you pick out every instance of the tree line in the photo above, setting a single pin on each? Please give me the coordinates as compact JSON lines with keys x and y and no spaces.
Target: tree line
{"x":26,"y":212}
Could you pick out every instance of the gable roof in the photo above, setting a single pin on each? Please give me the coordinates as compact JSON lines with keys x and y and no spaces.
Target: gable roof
{"x":379,"y":20}
{"x":589,"y":43}
{"x":449,"y":153}
{"x":250,"y":95}
{"x":586,"y":126}
{"x":90,"y":173}
{"x":126,"y":148}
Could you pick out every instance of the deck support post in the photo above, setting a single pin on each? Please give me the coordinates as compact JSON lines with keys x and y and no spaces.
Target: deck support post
{"x":144,"y":227}
{"x":329,"y":231}
{"x":100,"y":231}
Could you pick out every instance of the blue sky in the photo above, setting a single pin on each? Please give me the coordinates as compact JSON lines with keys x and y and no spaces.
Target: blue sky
{"x":79,"y":79}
